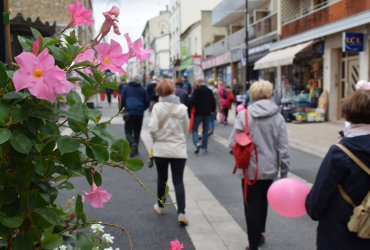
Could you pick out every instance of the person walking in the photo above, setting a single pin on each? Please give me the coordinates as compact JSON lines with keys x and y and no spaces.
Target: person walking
{"x":204,"y":103}
{"x":168,"y":126}
{"x":213,"y":119}
{"x":135,"y":100}
{"x":181,"y":93}
{"x":267,"y":128}
{"x":325,"y":202}
{"x":153,"y":97}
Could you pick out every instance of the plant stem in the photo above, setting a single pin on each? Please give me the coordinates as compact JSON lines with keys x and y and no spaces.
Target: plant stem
{"x":142,"y":184}
{"x":7,"y":31}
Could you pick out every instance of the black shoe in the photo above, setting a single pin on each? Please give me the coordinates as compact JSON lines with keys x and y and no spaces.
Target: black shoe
{"x":197,"y":150}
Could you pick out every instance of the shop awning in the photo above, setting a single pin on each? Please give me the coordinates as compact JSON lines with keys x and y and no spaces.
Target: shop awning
{"x":280,"y":57}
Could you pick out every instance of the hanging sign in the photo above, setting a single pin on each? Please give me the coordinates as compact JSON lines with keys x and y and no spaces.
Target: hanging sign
{"x":353,"y":42}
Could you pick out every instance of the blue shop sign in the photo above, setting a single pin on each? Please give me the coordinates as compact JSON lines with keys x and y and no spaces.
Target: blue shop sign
{"x":353,"y":42}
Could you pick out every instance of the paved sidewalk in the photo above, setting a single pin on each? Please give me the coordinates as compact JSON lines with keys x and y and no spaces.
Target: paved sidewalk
{"x":314,"y":138}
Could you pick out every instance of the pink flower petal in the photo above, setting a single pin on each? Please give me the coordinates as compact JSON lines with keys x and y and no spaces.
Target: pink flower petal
{"x":97,"y":196}
{"x":36,"y":46}
{"x":79,"y":14}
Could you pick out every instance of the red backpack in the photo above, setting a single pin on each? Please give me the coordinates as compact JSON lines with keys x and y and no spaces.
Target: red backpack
{"x":242,"y":151}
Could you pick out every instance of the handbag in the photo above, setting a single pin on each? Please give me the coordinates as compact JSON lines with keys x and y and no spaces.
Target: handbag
{"x":165,"y":119}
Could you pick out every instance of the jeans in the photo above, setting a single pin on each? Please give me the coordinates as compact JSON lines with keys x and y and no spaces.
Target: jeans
{"x":212,"y":121}
{"x":133,"y":125}
{"x":204,"y":119}
{"x":256,"y":211}
{"x":177,"y":169}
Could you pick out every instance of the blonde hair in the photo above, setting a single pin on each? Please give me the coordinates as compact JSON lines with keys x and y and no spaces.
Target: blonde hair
{"x":261,"y":90}
{"x":165,"y":87}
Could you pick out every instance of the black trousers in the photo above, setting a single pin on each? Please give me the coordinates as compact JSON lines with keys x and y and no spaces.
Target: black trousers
{"x":177,"y":169}
{"x":256,"y":211}
{"x":133,"y":124}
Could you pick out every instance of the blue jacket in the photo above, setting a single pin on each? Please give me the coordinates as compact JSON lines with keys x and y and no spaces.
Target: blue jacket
{"x":324,"y":202}
{"x":134,"y":99}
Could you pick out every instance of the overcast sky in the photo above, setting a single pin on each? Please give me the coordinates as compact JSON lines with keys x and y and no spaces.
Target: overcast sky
{"x":133,"y":16}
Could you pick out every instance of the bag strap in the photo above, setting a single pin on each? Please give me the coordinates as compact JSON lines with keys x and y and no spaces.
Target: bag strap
{"x":354,"y":158}
{"x":165,"y":119}
{"x":359,"y":163}
{"x":246,"y":125}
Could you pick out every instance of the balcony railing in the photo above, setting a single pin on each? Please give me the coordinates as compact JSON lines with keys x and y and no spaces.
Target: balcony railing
{"x":263,"y":26}
{"x":258,"y":29}
{"x":323,"y":15}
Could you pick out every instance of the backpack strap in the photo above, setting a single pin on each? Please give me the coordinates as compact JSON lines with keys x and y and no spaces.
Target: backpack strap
{"x":245,"y":174}
{"x":359,"y":163}
{"x":354,"y":158}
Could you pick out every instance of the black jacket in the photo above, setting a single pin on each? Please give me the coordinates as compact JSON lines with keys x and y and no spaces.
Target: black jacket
{"x":324,"y":202}
{"x":203,"y":101}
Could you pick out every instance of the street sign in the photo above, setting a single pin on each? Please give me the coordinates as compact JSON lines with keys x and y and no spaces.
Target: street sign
{"x":353,"y":42}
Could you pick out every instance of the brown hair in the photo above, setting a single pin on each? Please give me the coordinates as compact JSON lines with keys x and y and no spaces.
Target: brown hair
{"x":356,"y":107}
{"x":260,"y":90}
{"x":165,"y":87}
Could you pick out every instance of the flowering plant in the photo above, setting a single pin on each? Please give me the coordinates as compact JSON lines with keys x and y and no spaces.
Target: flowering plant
{"x":42,"y":147}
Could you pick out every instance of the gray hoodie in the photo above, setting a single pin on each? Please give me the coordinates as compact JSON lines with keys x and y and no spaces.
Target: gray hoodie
{"x":268,"y":131}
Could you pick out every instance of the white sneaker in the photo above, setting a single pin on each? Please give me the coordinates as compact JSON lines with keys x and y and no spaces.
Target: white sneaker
{"x":158,"y":209}
{"x":182,"y":219}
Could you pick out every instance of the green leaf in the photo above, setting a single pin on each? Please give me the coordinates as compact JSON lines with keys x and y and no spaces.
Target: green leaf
{"x":83,"y":64}
{"x":16,"y":95}
{"x":98,"y":76}
{"x":52,"y":241}
{"x":11,"y":222}
{"x":19,"y":114}
{"x":97,"y":178}
{"x":86,"y":77}
{"x":73,"y":79}
{"x":84,"y":242}
{"x":134,"y":164}
{"x":101,"y":131}
{"x":72,"y":160}
{"x":100,"y":152}
{"x":79,"y":209}
{"x":21,"y":143}
{"x":23,"y":241}
{"x":41,"y":166}
{"x":35,"y":33}
{"x":88,"y":90}
{"x":94,"y":115}
{"x":73,"y":97}
{"x":120,"y":150}
{"x":66,"y":185}
{"x":10,"y":73}
{"x":3,"y":75}
{"x":5,"y":135}
{"x":25,"y":43}
{"x":165,"y":195}
{"x":4,"y":112}
{"x":67,"y":144}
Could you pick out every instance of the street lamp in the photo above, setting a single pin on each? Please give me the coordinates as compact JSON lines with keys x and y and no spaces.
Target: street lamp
{"x":247,"y":85}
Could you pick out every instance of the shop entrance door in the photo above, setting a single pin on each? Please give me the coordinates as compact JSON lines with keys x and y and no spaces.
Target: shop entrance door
{"x":349,"y":77}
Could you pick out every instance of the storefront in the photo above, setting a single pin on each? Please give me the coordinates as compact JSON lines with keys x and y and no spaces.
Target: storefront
{"x":218,"y":68}
{"x":301,"y":69}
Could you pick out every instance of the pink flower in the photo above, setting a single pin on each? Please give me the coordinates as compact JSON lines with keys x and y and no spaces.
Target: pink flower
{"x":176,"y":245}
{"x":87,"y":55}
{"x":110,"y":56}
{"x":135,"y":49}
{"x":36,"y":46}
{"x":110,"y":20}
{"x":40,"y":75}
{"x":80,"y":15}
{"x":97,"y":196}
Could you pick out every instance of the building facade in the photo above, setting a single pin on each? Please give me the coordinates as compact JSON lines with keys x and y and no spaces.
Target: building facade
{"x":323,"y":48}
{"x":226,"y":59}
{"x":184,"y":13}
{"x":156,"y":35}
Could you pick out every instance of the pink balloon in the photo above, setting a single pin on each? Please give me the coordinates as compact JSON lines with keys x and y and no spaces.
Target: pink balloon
{"x":239,"y":108}
{"x":287,"y":197}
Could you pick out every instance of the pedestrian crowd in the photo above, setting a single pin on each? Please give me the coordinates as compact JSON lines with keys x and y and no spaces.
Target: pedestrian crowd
{"x":178,"y":108}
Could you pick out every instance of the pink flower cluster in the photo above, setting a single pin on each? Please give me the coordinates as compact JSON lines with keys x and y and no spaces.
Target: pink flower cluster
{"x":79,"y":14}
{"x":40,"y":75}
{"x":97,"y":196}
{"x":176,"y":245}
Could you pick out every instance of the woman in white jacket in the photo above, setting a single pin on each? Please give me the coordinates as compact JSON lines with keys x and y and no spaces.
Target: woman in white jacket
{"x":168,"y":127}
